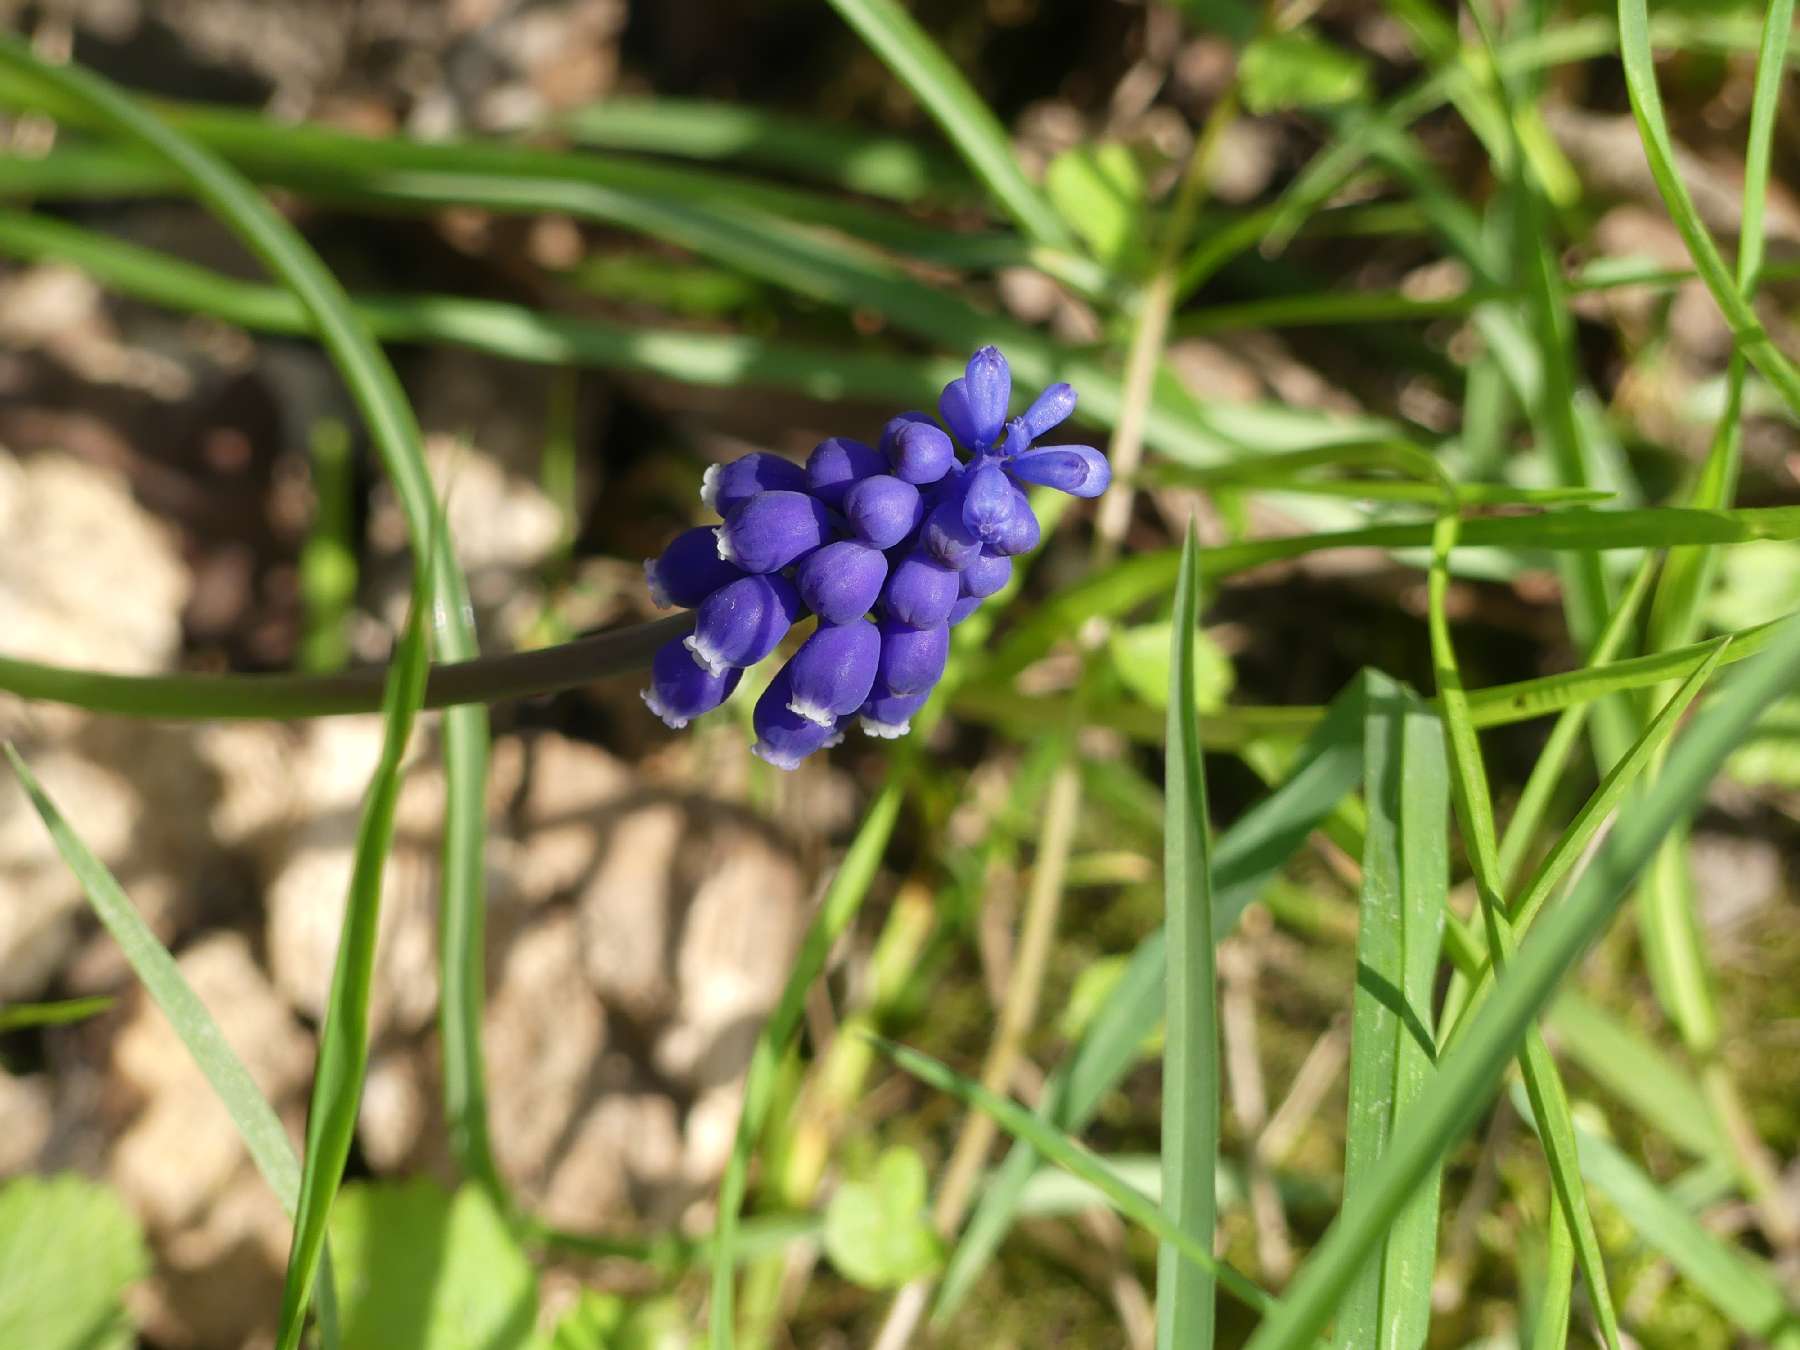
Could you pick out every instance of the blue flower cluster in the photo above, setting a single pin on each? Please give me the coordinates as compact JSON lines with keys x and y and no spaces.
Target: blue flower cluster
{"x":890,"y":546}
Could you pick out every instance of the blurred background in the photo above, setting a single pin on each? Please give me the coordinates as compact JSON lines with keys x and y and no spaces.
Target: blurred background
{"x":178,"y":492}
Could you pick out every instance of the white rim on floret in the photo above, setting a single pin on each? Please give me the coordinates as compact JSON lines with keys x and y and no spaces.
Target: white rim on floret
{"x":673,"y":721}
{"x":705,"y":655}
{"x":781,"y":759}
{"x":726,"y":551}
{"x":886,"y":731}
{"x":816,"y":713}
{"x":659,"y":593}
{"x":709,"y":487}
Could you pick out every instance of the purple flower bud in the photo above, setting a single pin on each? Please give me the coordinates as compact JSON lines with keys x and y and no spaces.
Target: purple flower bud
{"x":837,"y":463}
{"x":783,"y":737}
{"x":689,"y":570}
{"x":770,"y":530}
{"x":962,"y":609}
{"x":724,"y":486}
{"x":912,"y":659}
{"x":841,"y":582}
{"x":1020,"y":532}
{"x":946,"y":538}
{"x":833,"y":671}
{"x":890,"y":715}
{"x":883,"y":509}
{"x":974,"y":407}
{"x":1079,"y":470}
{"x":741,"y":623}
{"x":919,"y":592}
{"x":1049,"y":409}
{"x":920,"y":451}
{"x":989,"y":503}
{"x":986,"y":574}
{"x":680,"y":691}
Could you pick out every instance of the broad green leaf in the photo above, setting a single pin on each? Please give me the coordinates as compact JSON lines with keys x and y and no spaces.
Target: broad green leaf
{"x":1099,"y":190}
{"x":420,"y":1269}
{"x":1282,"y":72}
{"x":877,"y":1231}
{"x":68,"y":1250}
{"x":1141,"y":656}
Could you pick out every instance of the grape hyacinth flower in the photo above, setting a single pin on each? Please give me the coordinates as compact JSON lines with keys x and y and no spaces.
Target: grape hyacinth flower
{"x":905,"y":533}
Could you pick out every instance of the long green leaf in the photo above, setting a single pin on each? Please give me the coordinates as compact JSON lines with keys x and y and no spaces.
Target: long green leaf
{"x":973,"y":129}
{"x":1072,"y":1157}
{"x":1190,"y":1114}
{"x":842,"y":900}
{"x":1474,"y":810}
{"x":257,"y":1124}
{"x":1646,"y":105}
{"x":1406,"y":880}
{"x":343,"y":1037}
{"x":376,"y":391}
{"x":1470,"y":1072}
{"x":1739,"y":1287}
{"x":1244,"y":859}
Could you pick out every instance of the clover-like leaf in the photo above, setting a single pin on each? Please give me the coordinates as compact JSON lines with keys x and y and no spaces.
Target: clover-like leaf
{"x":876,"y":1231}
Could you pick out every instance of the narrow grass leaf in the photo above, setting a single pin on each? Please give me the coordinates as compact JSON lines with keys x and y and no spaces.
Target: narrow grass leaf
{"x":1646,"y":105}
{"x":1405,"y":882}
{"x":1738,"y":1286}
{"x":343,"y":1036}
{"x":1071,"y":1156}
{"x":894,"y":36}
{"x":21,"y":1016}
{"x":1190,"y":1115}
{"x":1244,"y":859}
{"x":843,"y":898}
{"x":1470,"y":1073}
{"x":1474,"y":809}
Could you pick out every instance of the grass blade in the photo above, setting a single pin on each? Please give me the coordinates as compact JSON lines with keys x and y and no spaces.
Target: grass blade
{"x":846,"y":157}
{"x":1474,"y":809}
{"x":376,"y":391}
{"x":1470,"y":1072}
{"x":257,"y":1124}
{"x":842,"y":900}
{"x":1646,"y":105}
{"x":1190,"y":1113}
{"x":1244,"y":859}
{"x":972,"y":128}
{"x":343,"y":1036}
{"x":1406,"y":878}
{"x":1740,"y":1288}
{"x":1058,"y":1148}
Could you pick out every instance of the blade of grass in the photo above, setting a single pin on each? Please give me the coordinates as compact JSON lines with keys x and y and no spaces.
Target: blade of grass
{"x":893,"y":35}
{"x":1550,"y":1325}
{"x":1405,"y":882}
{"x":855,"y":874}
{"x":1474,"y":809}
{"x":343,"y":1036}
{"x":1749,"y":1295}
{"x":1190,"y":1112}
{"x":376,"y":391}
{"x":846,"y":157}
{"x":1574,"y":840}
{"x":1470,"y":1072}
{"x":1752,"y":339}
{"x":1243,"y":861}
{"x":1072,"y":1157}
{"x":257,"y":1124}
{"x":1639,"y":1073}
{"x":20,"y":1016}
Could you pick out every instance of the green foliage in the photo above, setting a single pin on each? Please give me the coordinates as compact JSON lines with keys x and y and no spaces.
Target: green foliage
{"x":422,"y":1269}
{"x":1099,"y":190}
{"x":876,"y":1230}
{"x":68,"y":1251}
{"x":1283,"y":72}
{"x":1141,"y":656}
